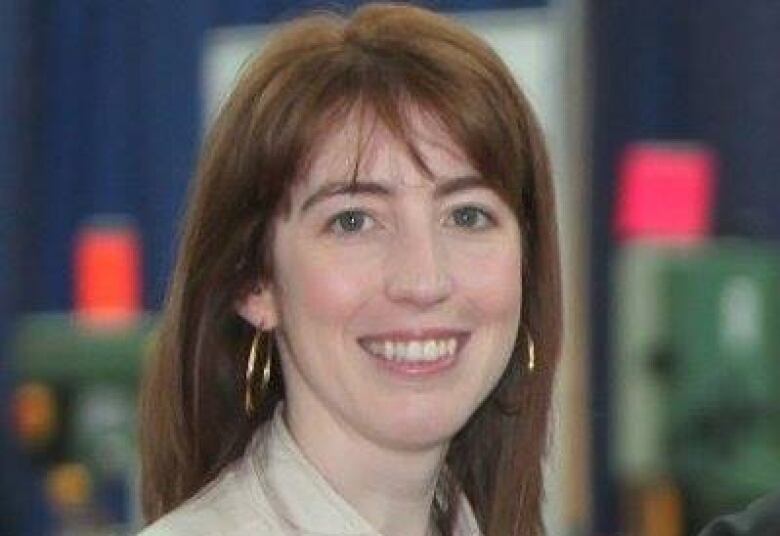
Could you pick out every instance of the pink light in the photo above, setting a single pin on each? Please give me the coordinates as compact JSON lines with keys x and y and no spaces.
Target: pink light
{"x":665,"y":191}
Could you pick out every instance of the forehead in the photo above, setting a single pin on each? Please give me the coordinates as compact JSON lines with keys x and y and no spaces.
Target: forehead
{"x":364,"y":146}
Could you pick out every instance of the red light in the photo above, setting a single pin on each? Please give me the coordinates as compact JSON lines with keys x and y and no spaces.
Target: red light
{"x":107,"y":274}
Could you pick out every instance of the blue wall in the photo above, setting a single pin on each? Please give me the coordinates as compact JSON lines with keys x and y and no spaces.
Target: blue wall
{"x":679,"y":69}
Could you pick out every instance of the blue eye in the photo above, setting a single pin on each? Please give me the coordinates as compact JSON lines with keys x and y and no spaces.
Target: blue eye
{"x":349,"y":221}
{"x":472,"y":217}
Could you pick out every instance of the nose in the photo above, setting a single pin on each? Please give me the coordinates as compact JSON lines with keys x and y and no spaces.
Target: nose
{"x":419,"y":273}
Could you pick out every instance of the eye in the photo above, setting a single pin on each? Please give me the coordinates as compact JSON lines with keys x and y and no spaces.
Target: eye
{"x":472,"y":217}
{"x":350,"y":221}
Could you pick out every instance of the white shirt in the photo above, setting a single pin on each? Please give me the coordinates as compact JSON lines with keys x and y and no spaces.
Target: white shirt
{"x":273,"y":490}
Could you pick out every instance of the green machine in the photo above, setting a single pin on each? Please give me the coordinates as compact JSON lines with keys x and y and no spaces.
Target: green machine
{"x":722,"y":352}
{"x":75,"y":413}
{"x":696,"y":375}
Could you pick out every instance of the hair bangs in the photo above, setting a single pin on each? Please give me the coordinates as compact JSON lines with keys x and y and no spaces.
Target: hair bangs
{"x":374,"y":87}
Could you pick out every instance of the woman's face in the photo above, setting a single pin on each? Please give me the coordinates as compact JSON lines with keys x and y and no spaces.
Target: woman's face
{"x":397,"y":303}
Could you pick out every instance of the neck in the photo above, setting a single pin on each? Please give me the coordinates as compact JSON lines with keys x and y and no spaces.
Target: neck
{"x":391,"y":488}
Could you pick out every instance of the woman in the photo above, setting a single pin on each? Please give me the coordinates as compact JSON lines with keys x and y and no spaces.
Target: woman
{"x":364,"y":320}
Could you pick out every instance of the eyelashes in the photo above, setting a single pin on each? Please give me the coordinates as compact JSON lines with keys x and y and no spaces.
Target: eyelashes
{"x":350,"y":221}
{"x":354,"y":221}
{"x":473,"y":217}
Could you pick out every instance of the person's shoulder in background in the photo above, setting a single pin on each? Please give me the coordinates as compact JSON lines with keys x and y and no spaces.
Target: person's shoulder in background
{"x":761,"y":518}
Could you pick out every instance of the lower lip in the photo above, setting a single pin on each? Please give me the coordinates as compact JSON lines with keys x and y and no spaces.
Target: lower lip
{"x":416,"y":369}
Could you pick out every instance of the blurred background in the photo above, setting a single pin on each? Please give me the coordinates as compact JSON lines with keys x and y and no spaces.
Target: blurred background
{"x":664,"y":126}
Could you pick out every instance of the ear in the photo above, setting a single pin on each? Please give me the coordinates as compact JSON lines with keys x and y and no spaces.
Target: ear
{"x":259,"y":308}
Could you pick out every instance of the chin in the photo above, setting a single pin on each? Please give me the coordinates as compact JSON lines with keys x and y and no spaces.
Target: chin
{"x":423,"y":428}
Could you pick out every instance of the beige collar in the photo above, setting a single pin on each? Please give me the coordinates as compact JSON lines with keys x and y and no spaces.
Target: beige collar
{"x":301,"y":497}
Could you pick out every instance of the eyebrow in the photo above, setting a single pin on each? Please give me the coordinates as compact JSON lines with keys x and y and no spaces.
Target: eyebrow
{"x":443,"y":188}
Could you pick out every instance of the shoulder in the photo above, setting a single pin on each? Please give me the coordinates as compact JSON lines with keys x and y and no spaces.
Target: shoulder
{"x":761,"y":518}
{"x":228,"y":506}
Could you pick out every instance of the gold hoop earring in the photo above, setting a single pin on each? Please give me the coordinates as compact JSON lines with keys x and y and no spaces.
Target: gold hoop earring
{"x":531,"y":351}
{"x":249,"y":404}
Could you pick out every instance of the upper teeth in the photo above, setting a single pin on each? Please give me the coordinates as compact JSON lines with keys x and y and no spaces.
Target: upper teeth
{"x":421,"y":350}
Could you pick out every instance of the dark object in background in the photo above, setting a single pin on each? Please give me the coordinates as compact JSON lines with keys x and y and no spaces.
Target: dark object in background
{"x":761,"y":518}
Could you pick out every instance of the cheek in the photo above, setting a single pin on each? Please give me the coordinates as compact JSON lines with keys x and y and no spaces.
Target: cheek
{"x":323,"y":287}
{"x":493,"y":280}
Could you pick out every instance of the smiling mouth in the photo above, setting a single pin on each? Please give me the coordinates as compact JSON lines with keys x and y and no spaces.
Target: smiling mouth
{"x":411,"y":350}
